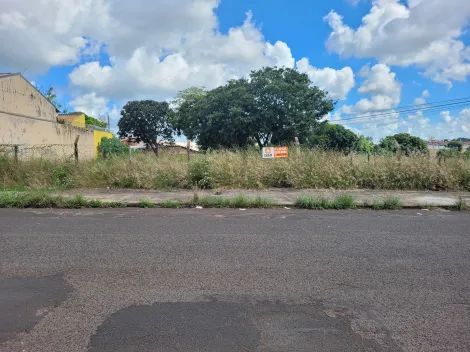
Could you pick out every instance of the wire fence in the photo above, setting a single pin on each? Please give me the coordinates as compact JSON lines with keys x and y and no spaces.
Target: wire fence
{"x":20,"y":152}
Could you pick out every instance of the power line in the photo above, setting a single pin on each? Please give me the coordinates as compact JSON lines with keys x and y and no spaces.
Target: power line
{"x":429,"y":112}
{"x":398,"y":111}
{"x":415,"y":106}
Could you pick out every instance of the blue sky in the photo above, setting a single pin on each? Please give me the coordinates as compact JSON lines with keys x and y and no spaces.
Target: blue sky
{"x":370,"y":55}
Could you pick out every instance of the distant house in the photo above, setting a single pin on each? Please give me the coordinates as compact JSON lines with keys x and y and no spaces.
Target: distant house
{"x":176,"y":147}
{"x":437,"y":145}
{"x":442,"y":144}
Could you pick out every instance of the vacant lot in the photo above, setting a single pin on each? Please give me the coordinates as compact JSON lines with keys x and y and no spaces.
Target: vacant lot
{"x":225,"y":169}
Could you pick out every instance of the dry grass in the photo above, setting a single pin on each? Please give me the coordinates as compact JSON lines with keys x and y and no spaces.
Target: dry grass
{"x":226,"y":169}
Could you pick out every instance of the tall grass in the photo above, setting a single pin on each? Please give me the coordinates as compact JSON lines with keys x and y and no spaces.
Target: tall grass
{"x":241,"y":169}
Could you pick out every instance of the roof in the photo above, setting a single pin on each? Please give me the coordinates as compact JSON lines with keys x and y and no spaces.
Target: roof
{"x":6,"y":75}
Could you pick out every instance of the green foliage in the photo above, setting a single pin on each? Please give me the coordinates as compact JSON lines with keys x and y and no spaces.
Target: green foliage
{"x":146,"y":121}
{"x":171,"y":204}
{"x":404,"y":144}
{"x":333,"y":137}
{"x":461,"y":204}
{"x":39,"y":199}
{"x":343,"y":201}
{"x":239,"y":201}
{"x":200,"y":173}
{"x":110,"y":147}
{"x":390,"y":203}
{"x":51,"y":95}
{"x":455,"y":145}
{"x":449,"y":153}
{"x":147,"y":204}
{"x":365,"y":145}
{"x":272,"y":107}
{"x":95,"y":122}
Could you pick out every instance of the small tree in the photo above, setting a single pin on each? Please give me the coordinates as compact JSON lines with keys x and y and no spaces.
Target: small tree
{"x":403,"y":143}
{"x":333,"y":137}
{"x":457,"y":145}
{"x":146,"y":121}
{"x":112,"y":147}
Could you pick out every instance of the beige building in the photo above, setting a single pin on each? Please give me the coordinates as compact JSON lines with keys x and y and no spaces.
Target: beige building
{"x":28,"y":120}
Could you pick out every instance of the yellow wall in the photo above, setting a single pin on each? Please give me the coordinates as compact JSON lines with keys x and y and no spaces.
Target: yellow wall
{"x":97,"y":137}
{"x":74,"y":120}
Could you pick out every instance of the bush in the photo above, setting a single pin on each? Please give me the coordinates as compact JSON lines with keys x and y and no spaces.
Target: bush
{"x":110,"y":147}
{"x":200,"y":173}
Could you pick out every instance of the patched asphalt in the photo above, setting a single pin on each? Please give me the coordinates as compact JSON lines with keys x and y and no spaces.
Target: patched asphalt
{"x":232,"y":280}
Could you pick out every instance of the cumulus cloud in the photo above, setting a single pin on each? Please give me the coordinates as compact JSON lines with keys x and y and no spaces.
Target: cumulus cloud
{"x":422,"y":99}
{"x":338,"y":83}
{"x":381,"y":84}
{"x":422,"y":33}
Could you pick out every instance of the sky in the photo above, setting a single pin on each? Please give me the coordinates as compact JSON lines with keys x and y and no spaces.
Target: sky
{"x":370,"y":56}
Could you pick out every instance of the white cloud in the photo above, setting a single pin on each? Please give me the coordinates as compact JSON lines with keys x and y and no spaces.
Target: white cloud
{"x":422,"y":99}
{"x":424,"y":33}
{"x":91,"y":105}
{"x":382,"y":86}
{"x":199,"y":58}
{"x":39,"y":34}
{"x":338,"y":83}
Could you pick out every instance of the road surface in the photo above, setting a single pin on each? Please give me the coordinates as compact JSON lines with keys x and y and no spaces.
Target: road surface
{"x":233,"y":280}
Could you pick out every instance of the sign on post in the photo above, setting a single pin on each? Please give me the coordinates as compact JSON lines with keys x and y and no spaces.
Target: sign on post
{"x":275,"y":152}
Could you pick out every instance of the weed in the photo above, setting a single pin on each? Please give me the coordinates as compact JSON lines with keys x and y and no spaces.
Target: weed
{"x":147,"y":204}
{"x":461,"y":204}
{"x":173,"y":204}
{"x":239,"y":201}
{"x":95,"y":204}
{"x":390,"y":203}
{"x":344,"y":201}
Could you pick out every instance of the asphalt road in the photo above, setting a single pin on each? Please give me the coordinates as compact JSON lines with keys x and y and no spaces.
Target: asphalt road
{"x":232,"y":280}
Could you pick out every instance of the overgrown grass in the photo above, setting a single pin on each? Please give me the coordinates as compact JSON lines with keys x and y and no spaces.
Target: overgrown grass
{"x":46,"y":200}
{"x":461,"y":204}
{"x":239,"y":201}
{"x":344,"y":201}
{"x":171,"y":204}
{"x":243,"y":169}
{"x":147,"y":204}
{"x":391,"y":203}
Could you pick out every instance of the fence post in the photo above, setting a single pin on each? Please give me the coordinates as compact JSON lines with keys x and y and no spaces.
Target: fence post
{"x":16,"y":152}
{"x":188,"y":147}
{"x":75,"y":147}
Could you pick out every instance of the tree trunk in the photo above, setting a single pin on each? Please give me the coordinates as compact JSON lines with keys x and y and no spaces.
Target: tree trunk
{"x":155,"y":149}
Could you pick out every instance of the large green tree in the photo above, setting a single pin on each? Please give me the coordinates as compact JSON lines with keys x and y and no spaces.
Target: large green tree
{"x":333,"y":137}
{"x":147,"y":121}
{"x":273,"y":106}
{"x":405,"y":144}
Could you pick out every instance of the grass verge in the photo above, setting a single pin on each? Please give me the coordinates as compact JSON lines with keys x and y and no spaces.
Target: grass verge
{"x":343,"y":201}
{"x":390,"y":203}
{"x":239,"y":201}
{"x":46,"y":200}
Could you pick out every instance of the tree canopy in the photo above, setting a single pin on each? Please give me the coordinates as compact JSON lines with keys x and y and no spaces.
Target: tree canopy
{"x":273,"y":106}
{"x":455,"y":144}
{"x":333,"y":137}
{"x":405,"y":144}
{"x":146,"y":121}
